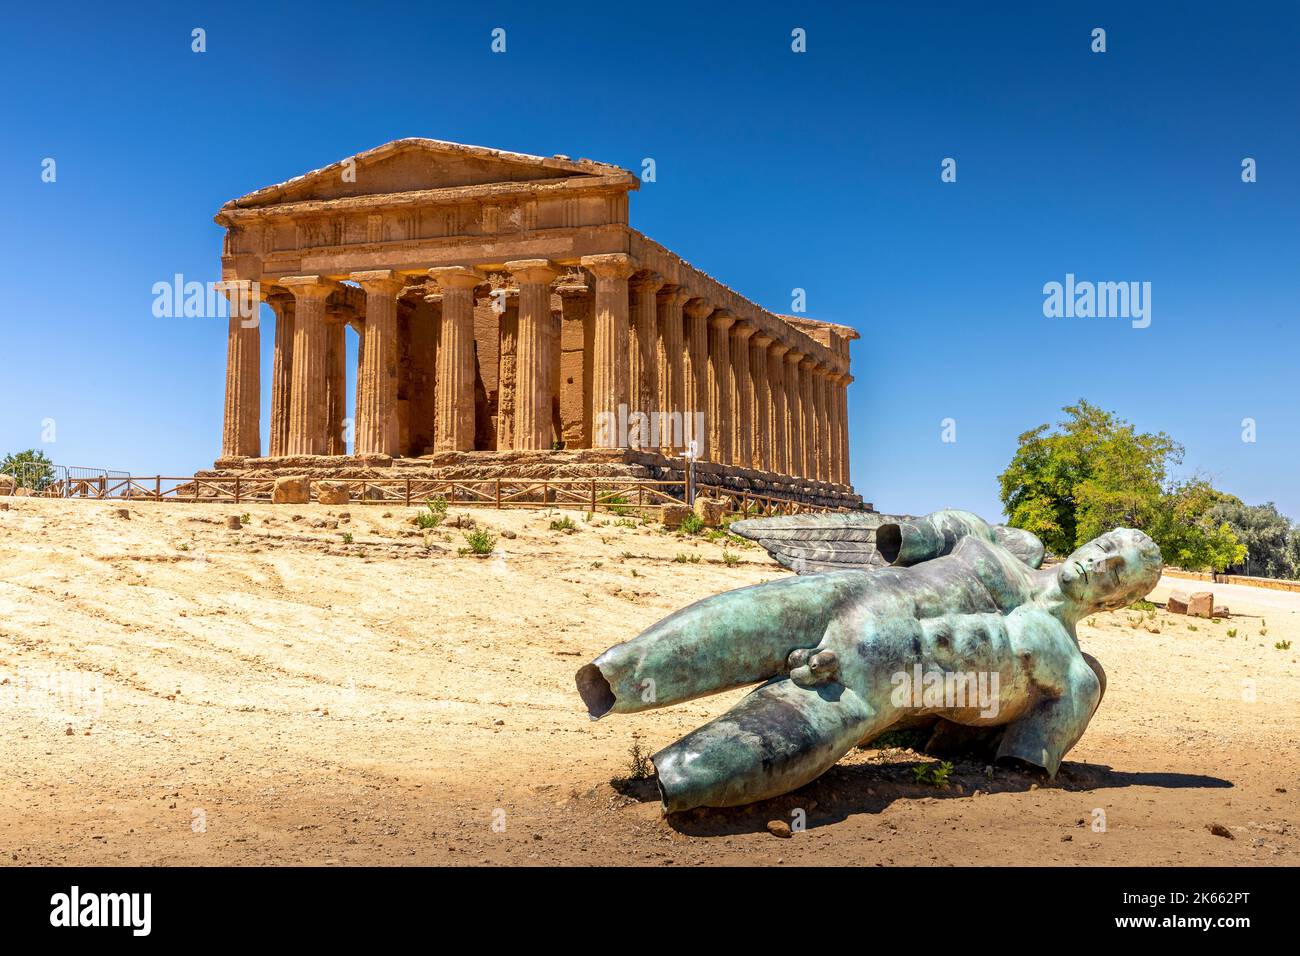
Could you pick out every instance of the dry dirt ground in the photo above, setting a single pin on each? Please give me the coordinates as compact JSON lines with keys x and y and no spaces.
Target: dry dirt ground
{"x":176,"y":692}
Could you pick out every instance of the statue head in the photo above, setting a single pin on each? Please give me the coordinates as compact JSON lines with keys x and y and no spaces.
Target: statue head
{"x":1112,"y":571}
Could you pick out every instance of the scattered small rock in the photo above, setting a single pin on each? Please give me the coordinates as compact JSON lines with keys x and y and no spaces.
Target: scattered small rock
{"x":1218,"y":829}
{"x":509,"y":534}
{"x":1068,"y":838}
{"x":779,"y":828}
{"x":122,"y":513}
{"x":233,"y":523}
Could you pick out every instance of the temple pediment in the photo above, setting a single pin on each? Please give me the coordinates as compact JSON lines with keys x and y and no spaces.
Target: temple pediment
{"x":412,"y":165}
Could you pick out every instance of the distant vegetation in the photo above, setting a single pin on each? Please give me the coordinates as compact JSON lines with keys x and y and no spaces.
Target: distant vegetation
{"x":30,"y":468}
{"x":1095,"y":472}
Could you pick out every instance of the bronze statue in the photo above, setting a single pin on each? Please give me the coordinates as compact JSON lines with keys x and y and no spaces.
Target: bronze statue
{"x":962,"y":630}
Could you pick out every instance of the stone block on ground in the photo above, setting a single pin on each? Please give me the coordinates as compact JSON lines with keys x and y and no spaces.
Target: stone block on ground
{"x":7,"y":484}
{"x":1221,"y":610}
{"x":1177,"y":603}
{"x":1201,"y":604}
{"x":710,"y":510}
{"x":292,"y":490}
{"x":333,"y":492}
{"x":674,"y":515}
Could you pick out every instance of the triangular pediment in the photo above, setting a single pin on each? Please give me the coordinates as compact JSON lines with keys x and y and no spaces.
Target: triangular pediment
{"x":409,"y":165}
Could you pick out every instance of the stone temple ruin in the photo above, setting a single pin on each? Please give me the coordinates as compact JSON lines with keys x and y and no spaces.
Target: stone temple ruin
{"x":511,"y":324}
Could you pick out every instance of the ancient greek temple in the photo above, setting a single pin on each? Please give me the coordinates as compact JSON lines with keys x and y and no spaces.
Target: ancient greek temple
{"x":502,"y":303}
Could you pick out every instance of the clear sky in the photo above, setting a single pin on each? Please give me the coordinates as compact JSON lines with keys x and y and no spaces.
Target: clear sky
{"x":775,"y":170}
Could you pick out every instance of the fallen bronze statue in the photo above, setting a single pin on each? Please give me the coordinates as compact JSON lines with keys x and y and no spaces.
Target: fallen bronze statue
{"x":943,"y":620}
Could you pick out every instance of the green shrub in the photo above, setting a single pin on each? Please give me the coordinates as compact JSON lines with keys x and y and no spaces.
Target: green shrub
{"x":692,"y":524}
{"x":935,"y":774}
{"x":480,"y":541}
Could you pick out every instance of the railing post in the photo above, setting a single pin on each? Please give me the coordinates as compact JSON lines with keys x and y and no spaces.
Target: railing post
{"x":498,"y":494}
{"x":593,"y":496}
{"x":408,"y":491}
{"x":237,"y":489}
{"x":157,"y":487}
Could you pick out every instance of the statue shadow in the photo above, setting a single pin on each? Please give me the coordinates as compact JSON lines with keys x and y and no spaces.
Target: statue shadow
{"x":852,"y":790}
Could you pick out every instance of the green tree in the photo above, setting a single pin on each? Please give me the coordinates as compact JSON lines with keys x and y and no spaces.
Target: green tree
{"x":1265,"y":532}
{"x":30,"y":468}
{"x":1096,"y":472}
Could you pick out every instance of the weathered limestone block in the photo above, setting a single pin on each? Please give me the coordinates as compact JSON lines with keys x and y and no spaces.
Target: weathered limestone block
{"x":710,"y":510}
{"x":1221,"y":610}
{"x":674,"y":515}
{"x":293,"y":490}
{"x":7,"y":484}
{"x":1177,"y":603}
{"x":333,"y":492}
{"x":1201,"y":604}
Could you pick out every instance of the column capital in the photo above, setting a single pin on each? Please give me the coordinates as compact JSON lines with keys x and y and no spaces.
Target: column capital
{"x":455,"y":277}
{"x":647,"y":282}
{"x":778,"y":348}
{"x":614,"y":265}
{"x":532,"y":270}
{"x":722,"y":319}
{"x":842,"y":378}
{"x":743,"y":329}
{"x":308,"y":287}
{"x":379,"y":280}
{"x":698,"y":308}
{"x":673,"y":295}
{"x":808,"y":362}
{"x":244,"y":288}
{"x":762,"y":340}
{"x":794,"y":356}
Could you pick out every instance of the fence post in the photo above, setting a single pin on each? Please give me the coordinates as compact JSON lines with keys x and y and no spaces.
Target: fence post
{"x":237,"y":489}
{"x":498,"y":494}
{"x":408,"y":491}
{"x":593,"y":496}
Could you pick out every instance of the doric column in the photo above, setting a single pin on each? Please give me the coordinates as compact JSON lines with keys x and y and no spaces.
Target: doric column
{"x":454,"y":388}
{"x":697,"y":379}
{"x":576,"y":337}
{"x":762,"y":401}
{"x":336,"y":380}
{"x":719,"y":423}
{"x":821,"y":407}
{"x":532,"y":378}
{"x":808,"y":412}
{"x":507,"y":301}
{"x":281,"y":370}
{"x":842,"y":400}
{"x":794,"y":414}
{"x":779,"y":441}
{"x":643,"y":369}
{"x":609,"y":374}
{"x":307,"y":398}
{"x":376,"y":431}
{"x":241,"y":434}
{"x":742,"y":396}
{"x":673,"y":364}
{"x":835,"y":426}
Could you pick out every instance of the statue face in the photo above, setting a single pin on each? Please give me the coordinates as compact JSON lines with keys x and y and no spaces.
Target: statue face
{"x":1111,"y":571}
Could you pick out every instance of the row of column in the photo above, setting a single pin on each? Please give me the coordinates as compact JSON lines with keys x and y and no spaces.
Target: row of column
{"x":765,"y":405}
{"x":653,"y":349}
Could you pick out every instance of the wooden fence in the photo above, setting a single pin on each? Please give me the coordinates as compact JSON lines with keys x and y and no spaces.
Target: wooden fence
{"x":617,"y":495}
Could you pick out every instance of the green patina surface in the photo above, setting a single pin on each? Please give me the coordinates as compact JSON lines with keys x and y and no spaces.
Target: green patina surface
{"x":844,"y":655}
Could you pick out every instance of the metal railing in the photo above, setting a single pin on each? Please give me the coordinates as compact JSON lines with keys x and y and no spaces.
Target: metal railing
{"x":616,"y":495}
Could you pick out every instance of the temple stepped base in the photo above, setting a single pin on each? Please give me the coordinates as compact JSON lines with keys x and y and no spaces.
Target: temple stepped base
{"x":586,"y":463}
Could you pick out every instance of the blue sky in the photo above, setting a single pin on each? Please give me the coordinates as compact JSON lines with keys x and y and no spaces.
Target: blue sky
{"x":775,"y":170}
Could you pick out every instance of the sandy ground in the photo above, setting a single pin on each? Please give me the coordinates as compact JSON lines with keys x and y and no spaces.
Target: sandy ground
{"x":175,"y":692}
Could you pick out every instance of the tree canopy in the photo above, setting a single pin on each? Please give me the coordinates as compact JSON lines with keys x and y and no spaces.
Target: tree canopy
{"x":1095,"y":472}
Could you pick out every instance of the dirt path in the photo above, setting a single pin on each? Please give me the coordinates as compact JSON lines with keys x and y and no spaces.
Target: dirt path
{"x":172,"y":691}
